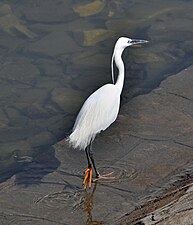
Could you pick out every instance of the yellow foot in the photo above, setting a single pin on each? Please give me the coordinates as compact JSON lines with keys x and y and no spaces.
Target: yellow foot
{"x":88,"y":178}
{"x":104,"y":177}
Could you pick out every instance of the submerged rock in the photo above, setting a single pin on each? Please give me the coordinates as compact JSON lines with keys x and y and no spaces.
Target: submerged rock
{"x":14,"y":149}
{"x":92,"y":37}
{"x":3,"y":119}
{"x":32,"y":95}
{"x":11,"y":134}
{"x":90,"y":8}
{"x":147,"y":56}
{"x":15,"y":117}
{"x":122,"y":24}
{"x":19,"y":70}
{"x":44,"y":138}
{"x":11,"y":24}
{"x":46,"y":11}
{"x":91,"y":59}
{"x":68,"y":99}
{"x":55,"y":43}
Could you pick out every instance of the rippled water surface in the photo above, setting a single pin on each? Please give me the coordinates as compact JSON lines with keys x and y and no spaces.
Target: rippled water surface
{"x":53,"y":54}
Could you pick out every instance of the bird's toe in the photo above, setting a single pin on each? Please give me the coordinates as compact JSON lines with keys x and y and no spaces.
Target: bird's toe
{"x":88,"y":178}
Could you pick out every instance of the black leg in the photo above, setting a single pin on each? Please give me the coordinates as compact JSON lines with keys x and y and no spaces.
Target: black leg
{"x":88,"y":172}
{"x":90,"y":155}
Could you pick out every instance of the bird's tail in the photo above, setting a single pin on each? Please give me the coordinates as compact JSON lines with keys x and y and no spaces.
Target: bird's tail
{"x":79,"y":140}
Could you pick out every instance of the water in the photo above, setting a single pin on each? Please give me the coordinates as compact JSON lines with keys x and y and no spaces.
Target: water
{"x":53,"y":54}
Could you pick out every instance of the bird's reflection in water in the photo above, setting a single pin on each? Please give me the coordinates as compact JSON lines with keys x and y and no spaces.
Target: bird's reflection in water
{"x":88,"y":206}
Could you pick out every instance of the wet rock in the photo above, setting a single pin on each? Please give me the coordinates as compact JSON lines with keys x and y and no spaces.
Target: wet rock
{"x":75,"y":25}
{"x":37,"y":122}
{"x":19,"y":70}
{"x":15,"y":117}
{"x":32,"y":95}
{"x":8,"y":94}
{"x":92,"y":37}
{"x":46,"y":11}
{"x":178,"y":211}
{"x":159,"y":10}
{"x":96,"y":70}
{"x":56,"y":43}
{"x":49,"y":68}
{"x":89,"y":83}
{"x":89,"y":59}
{"x":5,"y":9}
{"x":68,"y":99}
{"x":176,"y":89}
{"x":156,"y":123}
{"x":13,"y":134}
{"x":23,"y":159}
{"x":44,"y":138}
{"x":11,"y":24}
{"x":147,"y":56}
{"x":50,"y":82}
{"x":3,"y":119}
{"x":141,"y":19}
{"x":173,"y":29}
{"x":14,"y":149}
{"x":156,"y":69}
{"x":60,"y":125}
{"x":122,"y":24}
{"x":90,"y":8}
{"x":13,"y":156}
{"x":36,"y":110}
{"x":10,"y":43}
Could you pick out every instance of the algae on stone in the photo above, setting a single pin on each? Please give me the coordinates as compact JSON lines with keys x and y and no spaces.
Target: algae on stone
{"x":68,"y":99}
{"x":89,"y":9}
{"x":55,"y":43}
{"x":10,"y":23}
{"x":91,"y":37}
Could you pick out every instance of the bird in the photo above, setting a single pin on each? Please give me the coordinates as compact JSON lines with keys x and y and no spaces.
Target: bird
{"x":100,"y":110}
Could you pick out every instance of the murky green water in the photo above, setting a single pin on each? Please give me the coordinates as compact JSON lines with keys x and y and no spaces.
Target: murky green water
{"x":53,"y":54}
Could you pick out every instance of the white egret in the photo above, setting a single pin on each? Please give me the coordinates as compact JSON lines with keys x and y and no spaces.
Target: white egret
{"x":100,"y":110}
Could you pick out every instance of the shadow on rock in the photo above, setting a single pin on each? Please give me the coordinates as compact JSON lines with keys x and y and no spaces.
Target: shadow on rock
{"x":43,"y":164}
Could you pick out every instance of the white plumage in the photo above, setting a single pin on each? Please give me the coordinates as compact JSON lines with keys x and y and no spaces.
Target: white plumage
{"x":101,"y":108}
{"x":96,"y":114}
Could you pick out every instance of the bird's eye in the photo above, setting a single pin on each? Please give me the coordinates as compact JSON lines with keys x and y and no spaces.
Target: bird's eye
{"x":133,"y":41}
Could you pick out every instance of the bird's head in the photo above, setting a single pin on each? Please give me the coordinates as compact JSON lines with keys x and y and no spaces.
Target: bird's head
{"x":120,"y":45}
{"x":124,"y":42}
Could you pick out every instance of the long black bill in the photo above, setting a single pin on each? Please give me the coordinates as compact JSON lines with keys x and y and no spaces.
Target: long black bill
{"x":136,"y":42}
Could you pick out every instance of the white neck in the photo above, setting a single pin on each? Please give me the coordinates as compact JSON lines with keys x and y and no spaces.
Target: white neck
{"x":120,"y":65}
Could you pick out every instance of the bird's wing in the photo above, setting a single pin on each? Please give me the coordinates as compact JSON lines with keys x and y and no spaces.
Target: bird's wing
{"x":99,"y":110}
{"x":97,"y":113}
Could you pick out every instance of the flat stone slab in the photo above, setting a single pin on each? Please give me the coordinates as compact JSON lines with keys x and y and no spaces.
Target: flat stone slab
{"x":148,"y":145}
{"x":173,"y":206}
{"x":178,"y":211}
